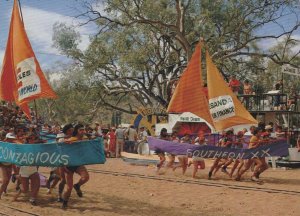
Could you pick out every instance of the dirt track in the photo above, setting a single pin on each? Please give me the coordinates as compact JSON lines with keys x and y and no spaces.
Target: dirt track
{"x":111,"y":191}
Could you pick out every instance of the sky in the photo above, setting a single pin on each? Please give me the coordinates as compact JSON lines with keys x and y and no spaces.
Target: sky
{"x":40,"y":15}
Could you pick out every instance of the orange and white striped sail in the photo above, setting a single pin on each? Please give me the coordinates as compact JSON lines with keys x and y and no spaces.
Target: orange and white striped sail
{"x":225,"y":108}
{"x":189,"y":95}
{"x":22,"y":79}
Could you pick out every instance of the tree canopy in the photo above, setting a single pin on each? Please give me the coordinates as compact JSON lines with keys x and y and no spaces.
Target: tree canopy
{"x":142,"y":46}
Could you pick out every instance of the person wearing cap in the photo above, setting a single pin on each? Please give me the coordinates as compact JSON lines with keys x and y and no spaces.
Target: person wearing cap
{"x":59,"y":136}
{"x":198,"y":162}
{"x":269,"y":130}
{"x":6,"y":168}
{"x":78,"y":135}
{"x":28,"y":174}
{"x":55,"y":174}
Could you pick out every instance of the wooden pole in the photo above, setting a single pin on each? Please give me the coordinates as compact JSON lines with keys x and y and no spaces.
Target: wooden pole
{"x":19,"y":1}
{"x":36,"y":112}
{"x":35,"y":106}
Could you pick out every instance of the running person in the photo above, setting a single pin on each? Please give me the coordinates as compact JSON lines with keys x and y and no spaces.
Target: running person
{"x":6,"y":168}
{"x":198,"y":162}
{"x":183,"y":159}
{"x":78,"y":135}
{"x":28,"y":174}
{"x":161,"y":154}
{"x":254,"y":143}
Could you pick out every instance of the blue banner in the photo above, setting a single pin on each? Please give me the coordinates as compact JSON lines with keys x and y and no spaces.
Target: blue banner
{"x":53,"y":154}
{"x":272,"y":148}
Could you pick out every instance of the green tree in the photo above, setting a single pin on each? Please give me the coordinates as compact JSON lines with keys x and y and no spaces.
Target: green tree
{"x":142,"y":46}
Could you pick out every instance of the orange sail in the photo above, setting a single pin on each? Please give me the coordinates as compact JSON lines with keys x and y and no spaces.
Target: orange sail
{"x":225,"y":108}
{"x":22,"y":79}
{"x":189,"y":95}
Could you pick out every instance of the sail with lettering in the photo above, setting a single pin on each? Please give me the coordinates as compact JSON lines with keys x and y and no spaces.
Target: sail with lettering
{"x":22,"y":79}
{"x":225,"y":108}
{"x":189,"y":95}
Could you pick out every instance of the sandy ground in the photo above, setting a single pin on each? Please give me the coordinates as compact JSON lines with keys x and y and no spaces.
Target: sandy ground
{"x":107,"y":194}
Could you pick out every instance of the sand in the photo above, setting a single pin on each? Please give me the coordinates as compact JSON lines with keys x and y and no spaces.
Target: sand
{"x":169,"y":194}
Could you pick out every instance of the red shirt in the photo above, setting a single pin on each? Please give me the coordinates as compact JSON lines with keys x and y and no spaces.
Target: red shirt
{"x":234,"y":84}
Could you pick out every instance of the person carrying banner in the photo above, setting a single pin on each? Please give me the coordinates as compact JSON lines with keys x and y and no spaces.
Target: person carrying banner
{"x":227,"y":142}
{"x":57,"y":173}
{"x":28,"y":174}
{"x":260,"y":167}
{"x":78,"y":135}
{"x":6,"y":168}
{"x":198,"y":162}
{"x":183,"y":159}
{"x":238,"y":163}
{"x":161,"y":154}
{"x":171,"y":157}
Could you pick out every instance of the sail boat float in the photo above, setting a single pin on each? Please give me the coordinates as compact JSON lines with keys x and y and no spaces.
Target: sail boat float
{"x":220,"y":110}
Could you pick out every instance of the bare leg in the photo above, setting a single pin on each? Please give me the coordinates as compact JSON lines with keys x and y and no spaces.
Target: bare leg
{"x":35,"y":187}
{"x":235,"y":165}
{"x":84,"y":175}
{"x":162,"y":160}
{"x":171,"y":161}
{"x":184,"y":165}
{"x":195,"y":163}
{"x":6,"y":175}
{"x":215,"y":164}
{"x":24,"y":187}
{"x":246,"y":166}
{"x":69,"y":183}
{"x":220,"y":164}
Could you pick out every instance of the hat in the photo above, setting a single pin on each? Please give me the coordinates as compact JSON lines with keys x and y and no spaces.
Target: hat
{"x":10,"y":136}
{"x":268,"y":127}
{"x":60,"y":135}
{"x":97,"y":123}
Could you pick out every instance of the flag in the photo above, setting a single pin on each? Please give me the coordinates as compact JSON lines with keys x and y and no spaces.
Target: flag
{"x":22,"y":79}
